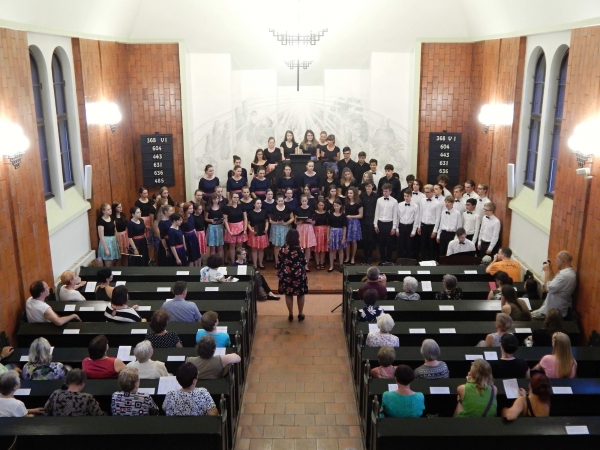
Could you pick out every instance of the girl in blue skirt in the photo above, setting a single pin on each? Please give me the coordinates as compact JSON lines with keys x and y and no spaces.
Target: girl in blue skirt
{"x":354,"y":214}
{"x":214,"y":217}
{"x":281,"y":220}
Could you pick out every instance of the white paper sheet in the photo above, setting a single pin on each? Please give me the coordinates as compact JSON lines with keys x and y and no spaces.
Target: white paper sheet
{"x":562,"y":390}
{"x":139,"y":331}
{"x":166,"y":384}
{"x":223,"y":270}
{"x":168,"y":300}
{"x":69,"y":308}
{"x":426,"y":286}
{"x":390,"y":289}
{"x":522,"y":330}
{"x":470,"y":272}
{"x":392,"y":387}
{"x":511,"y":388}
{"x":146,"y":391}
{"x":577,"y":429}
{"x":116,"y":272}
{"x":182,"y":272}
{"x":416,"y":331}
{"x":120,"y":283}
{"x":446,"y":307}
{"x":123,"y":352}
{"x":90,"y":286}
{"x":428,"y":263}
{"x":526,"y":300}
{"x":447,"y":330}
{"x":439,"y":390}
{"x":220,"y":351}
{"x":176,"y":358}
{"x":491,"y":356}
{"x":404,"y":272}
{"x":424,"y":272}
{"x":387,"y":307}
{"x":211,"y":289}
{"x":24,"y":358}
{"x":144,"y":308}
{"x":234,"y":280}
{"x":473,"y":357}
{"x":373,"y":328}
{"x":221,"y":329}
{"x":22,"y":392}
{"x":163,"y":289}
{"x":86,"y":308}
{"x":242,"y":270}
{"x":71,"y":331}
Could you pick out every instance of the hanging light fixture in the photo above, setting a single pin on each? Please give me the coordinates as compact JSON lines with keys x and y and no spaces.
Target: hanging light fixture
{"x":13,"y":142}
{"x":103,"y":113}
{"x":584,"y":141}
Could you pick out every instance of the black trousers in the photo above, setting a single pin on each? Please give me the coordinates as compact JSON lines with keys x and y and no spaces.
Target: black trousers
{"x":369,"y":238}
{"x":484,"y":248}
{"x":428,"y":244}
{"x":445,"y":239}
{"x":470,"y":237}
{"x":386,"y":241}
{"x":405,"y":242}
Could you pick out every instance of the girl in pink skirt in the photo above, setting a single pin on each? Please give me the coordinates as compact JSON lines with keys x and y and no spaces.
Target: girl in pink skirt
{"x":321,"y":230}
{"x":304,"y":224}
{"x":258,"y":232}
{"x":235,"y":222}
{"x":200,"y":226}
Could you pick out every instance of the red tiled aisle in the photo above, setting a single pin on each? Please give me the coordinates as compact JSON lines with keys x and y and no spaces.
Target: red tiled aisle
{"x":299,"y":394}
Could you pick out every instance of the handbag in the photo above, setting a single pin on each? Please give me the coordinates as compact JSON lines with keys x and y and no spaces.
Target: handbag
{"x":489,"y":405}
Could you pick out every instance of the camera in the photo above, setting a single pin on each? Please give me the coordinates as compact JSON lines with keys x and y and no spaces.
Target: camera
{"x":547,"y":262}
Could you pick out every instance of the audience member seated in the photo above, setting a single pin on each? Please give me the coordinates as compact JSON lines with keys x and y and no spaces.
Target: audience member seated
{"x":531,"y":289}
{"x":477,"y":397}
{"x":535,"y":403}
{"x":560,"y":286}
{"x":38,"y":311}
{"x":403,"y":402}
{"x":513,"y":306}
{"x":161,"y":338}
{"x":179,"y":308}
{"x":97,"y":364}
{"x":68,"y":291}
{"x":370,"y":312}
{"x":432,"y":369}
{"x":211,"y":271}
{"x":208,"y":364}
{"x":374,"y":281}
{"x":118,"y":311}
{"x":502,"y":262}
{"x":508,"y":366}
{"x":503,"y":324}
{"x":103,"y":288}
{"x":501,"y":278}
{"x":560,"y":364}
{"x":451,"y":290}
{"x":209,"y":322}
{"x":128,"y":401}
{"x":6,"y":352}
{"x":70,"y":401}
{"x":40,"y":365}
{"x":189,"y":400}
{"x":9,"y":405}
{"x":409,"y":287}
{"x":553,"y":323}
{"x":147,"y":369}
{"x":386,"y":356}
{"x":381,"y":338}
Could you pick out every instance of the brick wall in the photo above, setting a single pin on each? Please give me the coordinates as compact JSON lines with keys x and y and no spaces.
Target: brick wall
{"x":23,"y":227}
{"x":572,"y":228}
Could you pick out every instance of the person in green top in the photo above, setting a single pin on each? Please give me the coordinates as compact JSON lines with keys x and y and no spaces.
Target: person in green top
{"x":403,"y":402}
{"x":477,"y":398}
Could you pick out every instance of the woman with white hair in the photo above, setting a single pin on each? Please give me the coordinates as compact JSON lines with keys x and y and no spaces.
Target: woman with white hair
{"x":147,"y":368}
{"x":9,"y":405}
{"x":130,"y":402}
{"x":432,"y":369}
{"x":69,"y":291}
{"x":381,"y":338}
{"x":40,"y":365}
{"x":409,"y":286}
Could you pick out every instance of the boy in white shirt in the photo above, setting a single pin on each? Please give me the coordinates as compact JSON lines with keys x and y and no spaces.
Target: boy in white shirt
{"x":459,"y":200}
{"x":471,"y":220}
{"x":470,"y":190}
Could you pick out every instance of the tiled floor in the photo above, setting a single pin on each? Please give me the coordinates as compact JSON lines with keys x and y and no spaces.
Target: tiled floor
{"x":299,"y":393}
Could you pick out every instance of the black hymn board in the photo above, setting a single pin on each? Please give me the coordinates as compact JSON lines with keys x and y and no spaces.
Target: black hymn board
{"x":157,"y":159}
{"x":444,"y":157}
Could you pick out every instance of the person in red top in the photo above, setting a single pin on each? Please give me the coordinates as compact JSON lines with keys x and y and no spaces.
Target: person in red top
{"x":374,"y":281}
{"x":97,"y":364}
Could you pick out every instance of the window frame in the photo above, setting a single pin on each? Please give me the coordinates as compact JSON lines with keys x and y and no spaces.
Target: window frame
{"x":535,"y":121}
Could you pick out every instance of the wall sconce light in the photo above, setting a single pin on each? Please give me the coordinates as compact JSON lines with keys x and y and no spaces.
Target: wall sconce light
{"x":103,"y":113}
{"x":495,"y":114}
{"x":13,"y":142}
{"x":584,"y":144}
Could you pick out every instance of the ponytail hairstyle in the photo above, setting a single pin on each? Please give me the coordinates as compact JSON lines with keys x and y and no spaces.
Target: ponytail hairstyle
{"x":503,"y":278}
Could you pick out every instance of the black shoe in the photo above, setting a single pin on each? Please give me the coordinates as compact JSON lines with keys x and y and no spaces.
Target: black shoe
{"x":329,"y":270}
{"x":291,"y":317}
{"x":272,"y":296}
{"x":300,"y":317}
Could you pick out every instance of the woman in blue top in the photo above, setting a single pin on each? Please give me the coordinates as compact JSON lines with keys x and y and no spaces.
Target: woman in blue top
{"x":259,"y":185}
{"x":209,"y":322}
{"x":236,"y":182}
{"x":208,"y":182}
{"x":287,"y":181}
{"x":311,"y":178}
{"x":403,"y":402}
{"x":176,"y":241}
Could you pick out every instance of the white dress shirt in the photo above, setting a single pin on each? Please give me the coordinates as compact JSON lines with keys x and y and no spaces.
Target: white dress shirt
{"x":386,"y":210}
{"x":480,"y":204}
{"x":456,"y":246}
{"x":417,"y":197}
{"x":446,"y":192}
{"x":408,"y":213}
{"x":472,"y":224}
{"x":490,"y":230}
{"x":428,"y":211}
{"x":376,"y":177}
{"x":473,"y":194}
{"x":440,"y":199}
{"x":459,"y":205}
{"x":447,"y":220}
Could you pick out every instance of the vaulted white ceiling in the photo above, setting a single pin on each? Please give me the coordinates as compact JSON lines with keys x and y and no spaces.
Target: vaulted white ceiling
{"x":241,"y":27}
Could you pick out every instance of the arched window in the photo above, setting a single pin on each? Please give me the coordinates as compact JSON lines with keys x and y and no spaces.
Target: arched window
{"x":58,"y":80}
{"x":41,"y":125}
{"x":558,"y":118}
{"x":535,"y":120}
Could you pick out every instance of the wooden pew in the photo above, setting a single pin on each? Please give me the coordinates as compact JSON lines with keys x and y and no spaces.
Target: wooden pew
{"x":162,"y":274}
{"x":356,"y":273}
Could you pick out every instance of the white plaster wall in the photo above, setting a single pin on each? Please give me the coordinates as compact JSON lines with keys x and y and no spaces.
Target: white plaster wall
{"x":528,"y":243}
{"x":69,"y":244}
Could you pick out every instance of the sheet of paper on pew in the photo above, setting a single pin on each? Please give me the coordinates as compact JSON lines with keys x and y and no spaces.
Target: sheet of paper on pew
{"x":426,"y":286}
{"x":149,"y":391}
{"x":416,"y":331}
{"x":387,"y":307}
{"x":424,"y":272}
{"x":526,"y":300}
{"x":176,"y":358}
{"x":120,"y":283}
{"x":439,"y":390}
{"x":166,"y":384}
{"x":220,"y":350}
{"x":90,"y":286}
{"x":139,"y":330}
{"x":145,"y":308}
{"x":491,"y":356}
{"x":473,"y":357}
{"x":182,"y":272}
{"x":447,"y":330}
{"x":404,"y":272}
{"x":25,"y":358}
{"x":124,"y":353}
{"x":22,"y":392}
{"x":470,"y":272}
{"x":242,"y":270}
{"x":577,"y":429}
{"x":392,"y":387}
{"x":562,"y":390}
{"x":163,"y":289}
{"x":69,"y":308}
{"x":223,"y":270}
{"x":86,"y":308}
{"x":222,"y":330}
{"x":391,"y":289}
{"x":71,"y":331}
{"x":446,"y":307}
{"x":211,"y":289}
{"x":511,"y":388}
{"x":373,"y":328}
{"x":523,"y":330}
{"x":428,"y":263}
{"x":116,"y":272}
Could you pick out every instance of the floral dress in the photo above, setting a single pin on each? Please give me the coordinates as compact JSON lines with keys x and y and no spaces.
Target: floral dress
{"x":50,"y":371}
{"x":290,"y":271}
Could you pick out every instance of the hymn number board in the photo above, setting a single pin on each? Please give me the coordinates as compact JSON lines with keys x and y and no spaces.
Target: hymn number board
{"x":157,"y":159}
{"x":444,"y":157}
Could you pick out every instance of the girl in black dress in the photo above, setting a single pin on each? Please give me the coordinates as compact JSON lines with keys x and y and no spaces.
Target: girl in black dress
{"x":289,"y":145}
{"x":328,"y":181}
{"x":108,"y":249}
{"x":191,"y":237}
{"x":164,"y":224}
{"x":309,"y":144}
{"x":176,"y":241}
{"x":236,"y":182}
{"x":321,"y":229}
{"x":273,"y":156}
{"x":287,"y":181}
{"x":311,"y":178}
{"x":338,"y":225}
{"x":312,"y":201}
{"x":136,"y":237}
{"x":321,"y":144}
{"x":258,"y":232}
{"x":121,"y":227}
{"x":346,"y":180}
{"x":164,"y":193}
{"x":246,"y":200}
{"x":290,"y":201}
{"x":148,"y":212}
{"x":331,"y":154}
{"x":258,"y":162}
{"x":332,"y":196}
